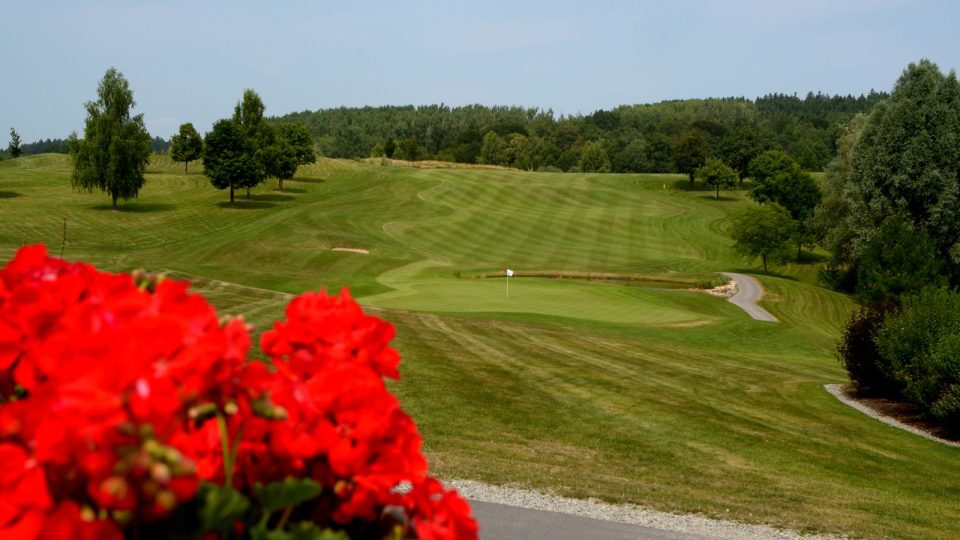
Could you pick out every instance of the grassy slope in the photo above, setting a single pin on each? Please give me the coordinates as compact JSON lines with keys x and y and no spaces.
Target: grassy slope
{"x":620,"y":391}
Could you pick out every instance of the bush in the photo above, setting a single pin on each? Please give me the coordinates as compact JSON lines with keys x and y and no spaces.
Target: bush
{"x":898,"y":260}
{"x":920,"y":347}
{"x":858,"y":353}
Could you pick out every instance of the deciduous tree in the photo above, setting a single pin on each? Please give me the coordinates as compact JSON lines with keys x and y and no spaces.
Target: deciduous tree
{"x":779,"y":179}
{"x":493,"y":149}
{"x":689,"y":151}
{"x":300,"y":138}
{"x":186,"y":145}
{"x":115,"y":148}
{"x":716,"y":173}
{"x":740,"y":148}
{"x":901,"y":162}
{"x":290,"y":146}
{"x":762,"y":231}
{"x":229,"y":158}
{"x":593,"y":157}
{"x":248,"y":117}
{"x":280,"y":160}
{"x":763,"y":169}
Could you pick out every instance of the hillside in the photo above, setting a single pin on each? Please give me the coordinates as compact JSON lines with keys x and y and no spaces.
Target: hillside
{"x":633,"y":389}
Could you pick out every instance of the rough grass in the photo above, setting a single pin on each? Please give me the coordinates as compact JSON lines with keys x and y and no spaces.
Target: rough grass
{"x":616,"y":389}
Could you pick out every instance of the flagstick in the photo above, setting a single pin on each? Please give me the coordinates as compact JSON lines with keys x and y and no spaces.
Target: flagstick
{"x":508,"y":287}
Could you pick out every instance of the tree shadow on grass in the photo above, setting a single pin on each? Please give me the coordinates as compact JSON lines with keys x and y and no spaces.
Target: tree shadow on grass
{"x":292,"y":190}
{"x":699,"y":185}
{"x":136,"y":208}
{"x":276,"y":196}
{"x":812,"y":258}
{"x":8,"y":194}
{"x":244,"y":204}
{"x":715,"y":199}
{"x":760,"y":272}
{"x":684,"y":185}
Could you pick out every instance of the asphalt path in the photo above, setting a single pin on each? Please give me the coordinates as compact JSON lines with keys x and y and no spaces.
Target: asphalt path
{"x":503,"y":522}
{"x":749,"y":291}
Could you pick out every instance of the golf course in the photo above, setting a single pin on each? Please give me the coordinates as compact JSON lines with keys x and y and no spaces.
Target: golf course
{"x":597,"y":370}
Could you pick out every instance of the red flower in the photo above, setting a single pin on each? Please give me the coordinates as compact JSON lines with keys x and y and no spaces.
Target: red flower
{"x":24,"y":496}
{"x":68,"y":522}
{"x":108,"y":387}
{"x":323,"y":330}
{"x":441,"y":514}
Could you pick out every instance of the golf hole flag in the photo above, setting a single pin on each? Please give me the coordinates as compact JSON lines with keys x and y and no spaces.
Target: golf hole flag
{"x":509,"y":272}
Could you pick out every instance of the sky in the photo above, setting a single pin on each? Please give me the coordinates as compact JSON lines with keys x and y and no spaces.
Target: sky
{"x":189,"y":61}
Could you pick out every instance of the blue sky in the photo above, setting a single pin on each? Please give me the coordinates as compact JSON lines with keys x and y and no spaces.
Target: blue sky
{"x":190,"y":61}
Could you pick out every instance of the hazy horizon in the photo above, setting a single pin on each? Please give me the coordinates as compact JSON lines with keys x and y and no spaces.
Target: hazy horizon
{"x":189,"y":63}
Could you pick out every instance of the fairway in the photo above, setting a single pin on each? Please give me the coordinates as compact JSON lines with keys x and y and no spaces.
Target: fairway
{"x":634,"y":389}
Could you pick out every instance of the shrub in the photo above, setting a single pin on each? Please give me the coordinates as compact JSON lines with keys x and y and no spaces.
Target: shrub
{"x":129,"y":409}
{"x":920,"y":347}
{"x":858,"y":353}
{"x":898,"y":260}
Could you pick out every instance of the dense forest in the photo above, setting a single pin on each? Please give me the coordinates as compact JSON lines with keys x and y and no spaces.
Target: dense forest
{"x":158,"y":145}
{"x":670,"y":136}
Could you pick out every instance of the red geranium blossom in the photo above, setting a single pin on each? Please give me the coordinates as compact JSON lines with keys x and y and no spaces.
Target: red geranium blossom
{"x":120,"y":394}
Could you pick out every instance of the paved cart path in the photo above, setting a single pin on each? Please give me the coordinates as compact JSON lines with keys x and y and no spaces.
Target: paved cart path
{"x":503,"y":522}
{"x":749,"y":291}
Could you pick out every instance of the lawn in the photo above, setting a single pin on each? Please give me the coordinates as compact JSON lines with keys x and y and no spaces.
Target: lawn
{"x":632,"y":389}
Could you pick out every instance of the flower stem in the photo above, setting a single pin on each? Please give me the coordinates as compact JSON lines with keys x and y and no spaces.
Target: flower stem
{"x":225,"y":448}
{"x":284,"y":518}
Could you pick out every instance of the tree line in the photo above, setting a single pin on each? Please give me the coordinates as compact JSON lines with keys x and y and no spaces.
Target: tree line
{"x":239,"y":152}
{"x":158,"y":145}
{"x":671,"y":136}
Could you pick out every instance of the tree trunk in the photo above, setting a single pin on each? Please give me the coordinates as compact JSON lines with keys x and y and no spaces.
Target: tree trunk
{"x":248,"y":192}
{"x":231,"y":194}
{"x":718,"y":192}
{"x":114,"y":195}
{"x":764,"y":256}
{"x":280,"y":182}
{"x":691,"y":178}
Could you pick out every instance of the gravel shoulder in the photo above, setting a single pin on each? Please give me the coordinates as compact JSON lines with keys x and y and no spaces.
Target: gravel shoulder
{"x":749,"y":292}
{"x":840,"y":392}
{"x":548,"y":516}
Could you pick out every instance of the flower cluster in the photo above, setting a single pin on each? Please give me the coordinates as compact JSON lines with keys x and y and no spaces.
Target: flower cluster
{"x":128,"y":408}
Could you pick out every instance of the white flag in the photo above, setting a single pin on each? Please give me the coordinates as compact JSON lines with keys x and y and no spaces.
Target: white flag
{"x":509,"y":272}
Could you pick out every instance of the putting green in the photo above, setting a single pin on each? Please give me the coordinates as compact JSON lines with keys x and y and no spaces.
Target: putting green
{"x":414,"y":290}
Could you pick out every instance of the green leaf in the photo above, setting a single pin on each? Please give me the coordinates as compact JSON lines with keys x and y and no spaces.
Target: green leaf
{"x":221,"y":507}
{"x":310,"y":531}
{"x":289,"y":492}
{"x":299,"y":531}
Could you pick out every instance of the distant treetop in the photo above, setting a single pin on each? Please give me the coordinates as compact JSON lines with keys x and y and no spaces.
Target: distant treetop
{"x":633,"y":138}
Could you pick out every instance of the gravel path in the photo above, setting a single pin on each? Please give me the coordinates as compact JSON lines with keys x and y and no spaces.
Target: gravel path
{"x":837,"y":391}
{"x":748,"y":292}
{"x":541,"y":521}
